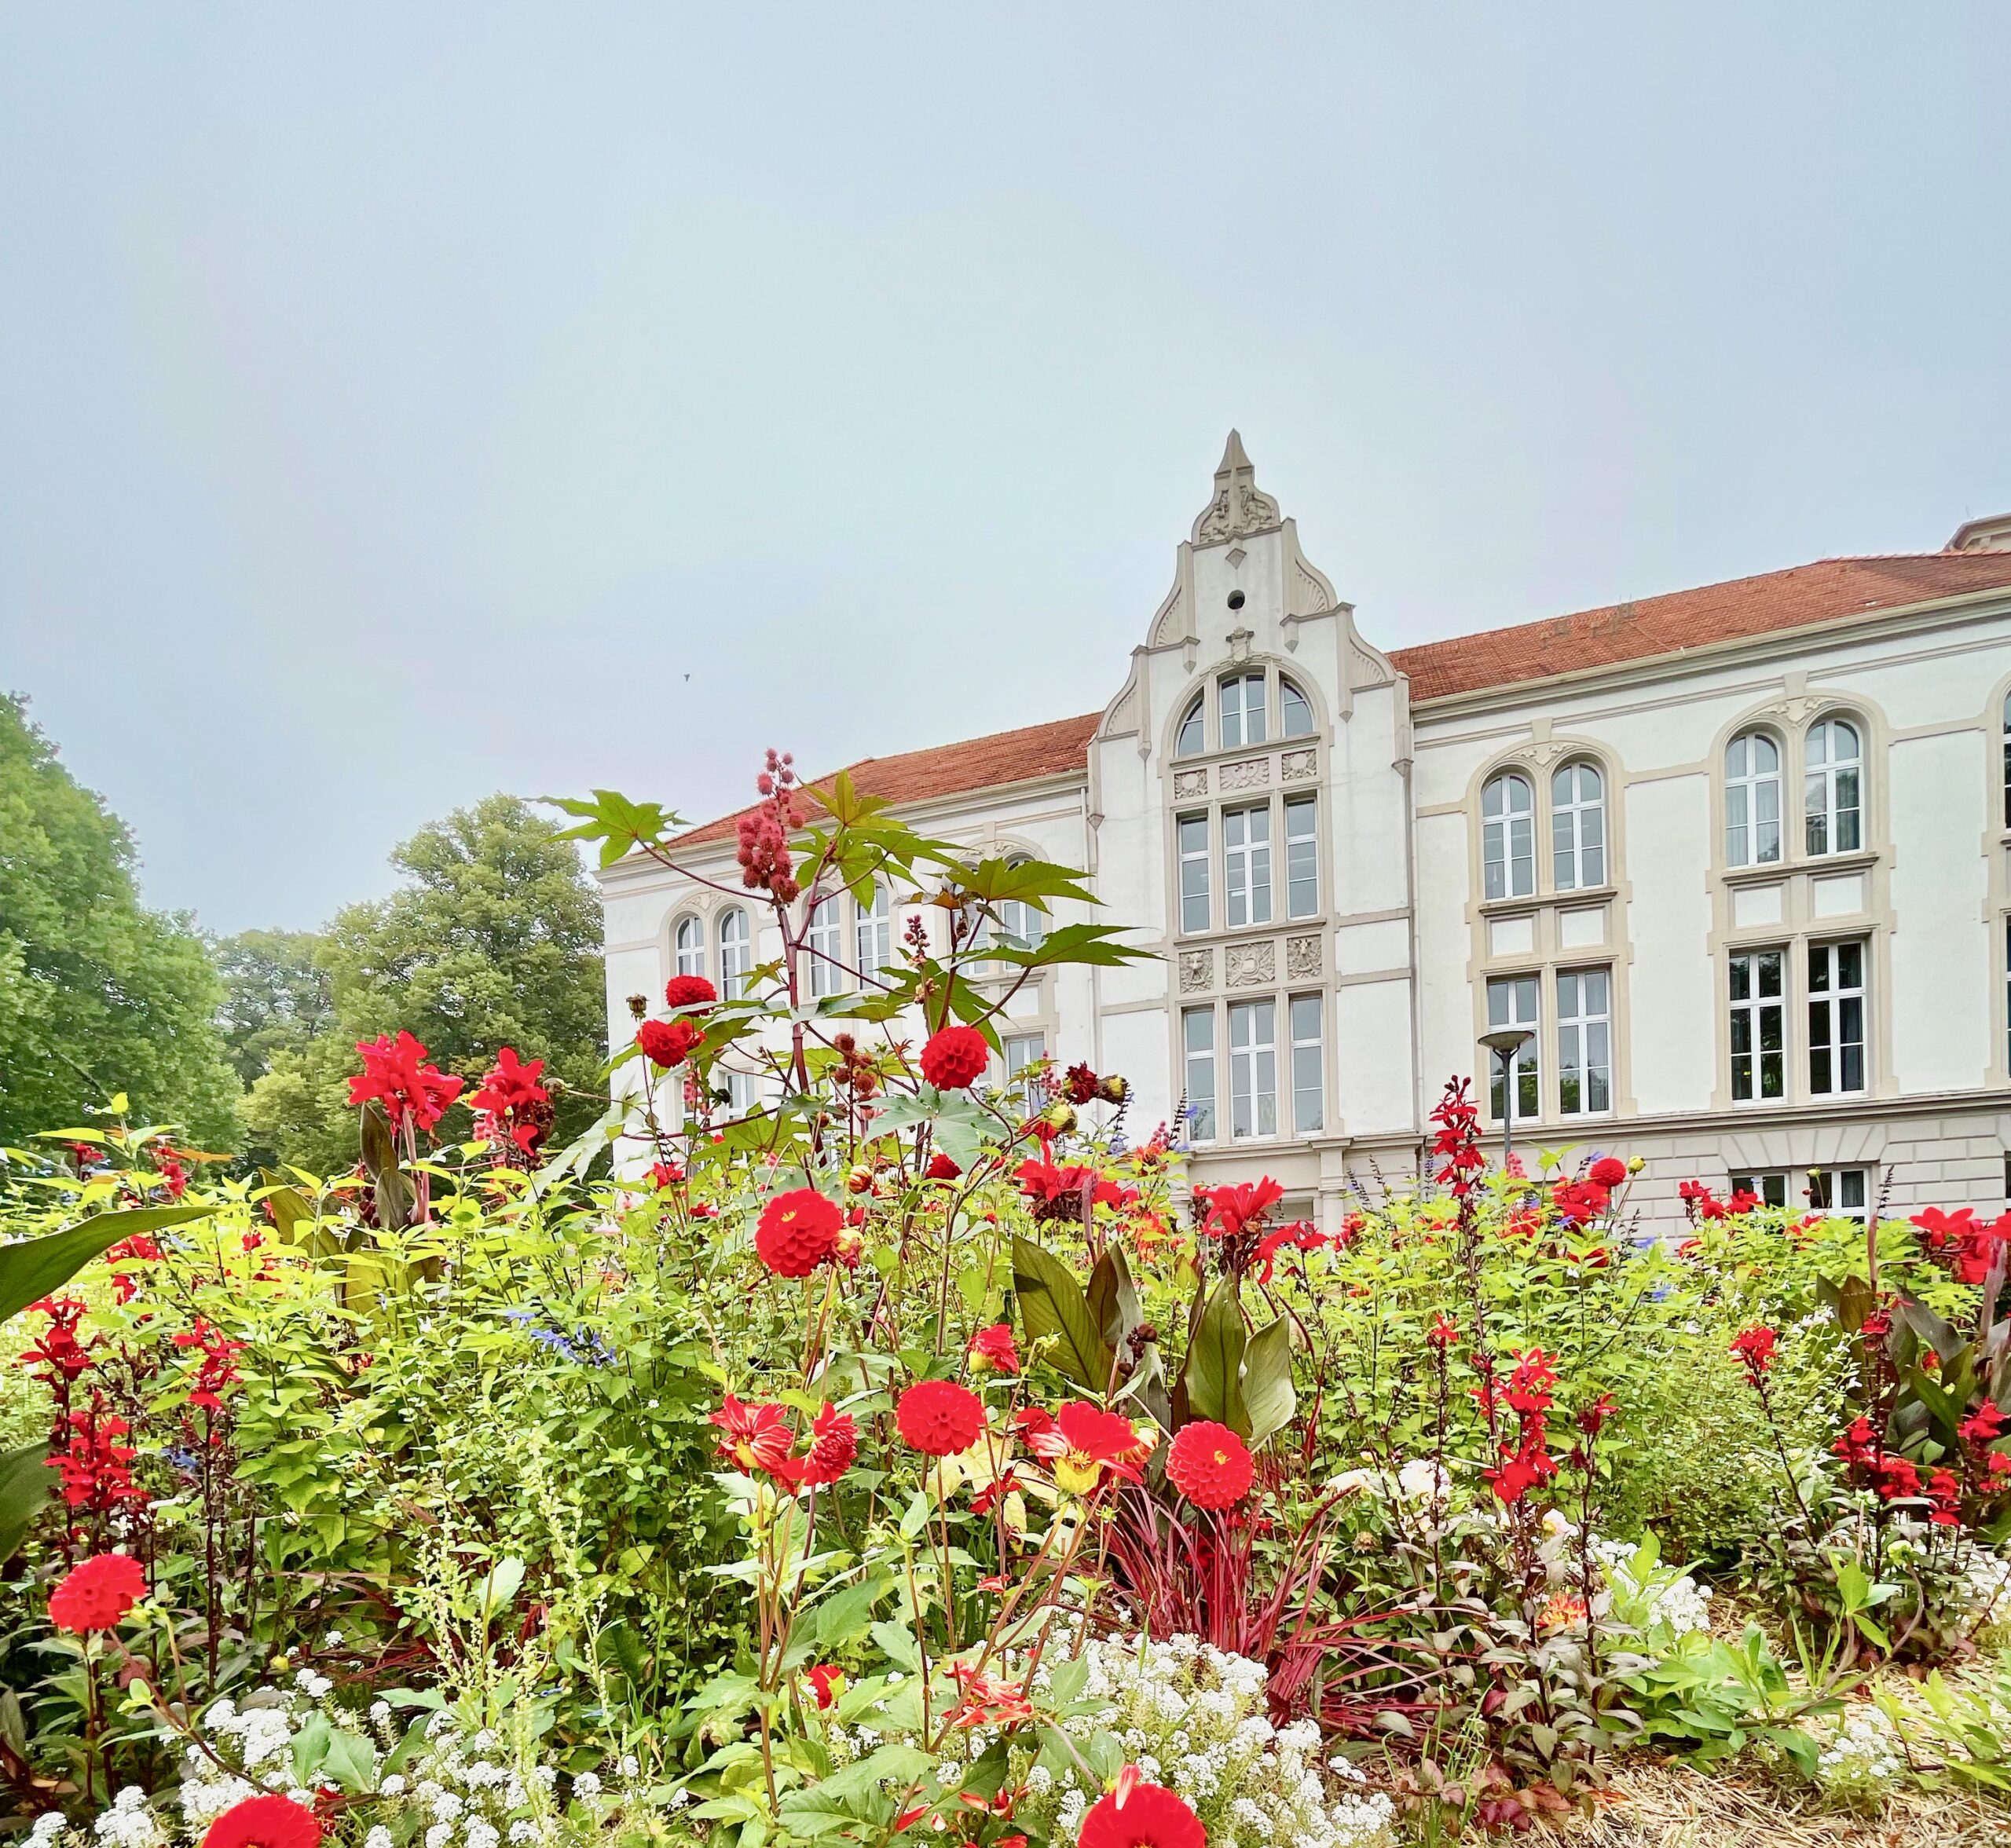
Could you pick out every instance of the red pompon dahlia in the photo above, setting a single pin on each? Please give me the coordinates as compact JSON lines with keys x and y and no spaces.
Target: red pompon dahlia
{"x":667,"y":1043}
{"x":798,"y":1231}
{"x":689,"y":991}
{"x":1210,"y":1465}
{"x":942,"y":1168}
{"x":938,"y":1417}
{"x":955,"y":1057}
{"x":96,"y":1594}
{"x":1608,"y":1171}
{"x":1141,"y":1815}
{"x":833,"y":1448}
{"x":268,"y":1821}
{"x":992,"y":1350}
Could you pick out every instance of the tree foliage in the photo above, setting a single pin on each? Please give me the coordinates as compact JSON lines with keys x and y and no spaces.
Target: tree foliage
{"x":97,"y":993}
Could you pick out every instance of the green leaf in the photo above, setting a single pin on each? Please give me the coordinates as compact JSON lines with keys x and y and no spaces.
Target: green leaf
{"x":615,"y":822}
{"x":1113,"y":1298}
{"x":493,"y":1594}
{"x":1267,"y":1395}
{"x":25,"y":1483}
{"x":350,"y":1762}
{"x":1212,"y":1373}
{"x":32,"y":1269}
{"x":1053,"y":1307}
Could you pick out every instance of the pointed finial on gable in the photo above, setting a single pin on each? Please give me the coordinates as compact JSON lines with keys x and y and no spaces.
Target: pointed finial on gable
{"x":1237,"y":506}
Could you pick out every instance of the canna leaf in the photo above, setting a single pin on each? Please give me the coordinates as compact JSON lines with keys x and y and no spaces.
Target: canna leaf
{"x":1053,"y":1307}
{"x":32,"y":1269}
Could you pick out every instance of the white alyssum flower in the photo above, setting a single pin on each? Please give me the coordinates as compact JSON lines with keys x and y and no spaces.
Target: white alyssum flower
{"x":1863,"y":1758}
{"x":587,"y":1785}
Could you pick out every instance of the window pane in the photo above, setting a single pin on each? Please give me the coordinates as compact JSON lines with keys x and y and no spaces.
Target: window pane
{"x":1198,"y":1037}
{"x":1585,"y":1041}
{"x":1511,"y":1001}
{"x":1308,"y":1079}
{"x":1246,"y":864}
{"x":1193,"y":873}
{"x":821,"y":944}
{"x":1295,"y":716}
{"x":1191,"y":740}
{"x":1253,"y":1058}
{"x":1301,"y":857}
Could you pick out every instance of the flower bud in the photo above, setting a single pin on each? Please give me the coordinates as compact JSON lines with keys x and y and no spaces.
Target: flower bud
{"x":1113,"y":1089}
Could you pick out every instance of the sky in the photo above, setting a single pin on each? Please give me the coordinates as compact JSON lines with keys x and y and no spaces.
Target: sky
{"x":402,"y":402}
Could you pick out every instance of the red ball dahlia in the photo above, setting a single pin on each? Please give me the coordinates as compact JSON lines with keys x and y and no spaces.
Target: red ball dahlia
{"x":265,"y":1822}
{"x":954,"y":1057}
{"x":667,"y":1043}
{"x":98,"y":1595}
{"x":938,"y":1417}
{"x":689,"y":991}
{"x":1609,"y":1171}
{"x":1141,"y":1815}
{"x":798,"y":1231}
{"x":1210,"y":1465}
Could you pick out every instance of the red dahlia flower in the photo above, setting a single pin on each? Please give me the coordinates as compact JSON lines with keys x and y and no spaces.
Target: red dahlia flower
{"x":1210,"y":1465}
{"x":938,"y":1417}
{"x":396,"y":1074}
{"x":1234,"y":1209}
{"x":798,"y":1231}
{"x":667,"y":1043}
{"x":955,"y":1057}
{"x":757,"y":1436}
{"x":992,"y":1349}
{"x":96,"y":1594}
{"x":268,"y":1821}
{"x":1608,"y":1171}
{"x":833,"y":1448}
{"x":1578,"y":1201}
{"x":1082,"y":1442}
{"x":689,"y":991}
{"x":1141,"y":1815}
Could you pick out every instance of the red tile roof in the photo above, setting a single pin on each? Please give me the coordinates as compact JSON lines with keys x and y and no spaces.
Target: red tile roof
{"x":1004,"y":757}
{"x":1821,"y":592}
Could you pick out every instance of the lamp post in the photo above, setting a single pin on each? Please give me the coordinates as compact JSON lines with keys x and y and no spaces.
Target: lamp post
{"x":1505,"y":1043}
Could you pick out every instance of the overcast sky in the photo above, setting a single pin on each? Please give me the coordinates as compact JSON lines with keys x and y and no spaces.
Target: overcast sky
{"x":399,"y":404}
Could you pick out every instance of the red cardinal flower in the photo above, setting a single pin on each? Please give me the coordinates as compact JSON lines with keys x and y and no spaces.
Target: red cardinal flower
{"x":1233,"y":1209}
{"x":1984,"y":1426}
{"x":96,"y":1594}
{"x":757,"y":1437}
{"x":1608,"y":1171}
{"x":992,"y":1349}
{"x":938,"y":1417}
{"x":798,"y":1231}
{"x":667,"y":1043}
{"x":954,"y":1057}
{"x":1756,"y":1348}
{"x":396,"y":1074}
{"x":1302,"y":1235}
{"x":269,"y":1821}
{"x":1081,"y":1443}
{"x":1210,"y":1465}
{"x":689,"y":991}
{"x":1141,"y":1815}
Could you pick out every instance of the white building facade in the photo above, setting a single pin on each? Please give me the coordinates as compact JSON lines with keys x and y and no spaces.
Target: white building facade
{"x":1738,"y":859}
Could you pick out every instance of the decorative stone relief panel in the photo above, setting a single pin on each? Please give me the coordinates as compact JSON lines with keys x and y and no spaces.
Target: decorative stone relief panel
{"x":1250,"y":965}
{"x":1252,"y":773}
{"x":1197,"y":970}
{"x":1302,"y":958}
{"x":1299,"y":766}
{"x":1189,"y":782}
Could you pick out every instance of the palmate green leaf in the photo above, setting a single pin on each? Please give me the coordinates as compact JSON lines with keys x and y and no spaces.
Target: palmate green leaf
{"x":617,"y":823}
{"x":1076,"y":943}
{"x":32,"y":1269}
{"x":1053,"y":1307}
{"x":1030,"y":882}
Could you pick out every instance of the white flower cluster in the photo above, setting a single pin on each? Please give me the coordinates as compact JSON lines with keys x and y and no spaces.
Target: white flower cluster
{"x":1191,"y":1717}
{"x":1665,"y":1600}
{"x":1986,"y":1593}
{"x":1863,"y":1760}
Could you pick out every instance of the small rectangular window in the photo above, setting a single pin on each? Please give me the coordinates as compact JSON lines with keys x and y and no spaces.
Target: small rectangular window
{"x":1836,"y":1018}
{"x":1758,"y":1025}
{"x":743,"y":1092}
{"x":1842,"y":1193}
{"x":1022,"y":1051}
{"x":1253,"y":1068}
{"x":1511,"y":1001}
{"x":1771,"y":1189}
{"x":1197,"y":1033}
{"x":1301,"y":857}
{"x":823,"y":943}
{"x":1193,"y":873}
{"x":1584,"y":1042}
{"x":1246,"y":864}
{"x":1308,"y":1066}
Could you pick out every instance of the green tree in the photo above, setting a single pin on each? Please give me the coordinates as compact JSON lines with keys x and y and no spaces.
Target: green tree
{"x":277,"y":996}
{"x":492,"y":940}
{"x":97,"y":994}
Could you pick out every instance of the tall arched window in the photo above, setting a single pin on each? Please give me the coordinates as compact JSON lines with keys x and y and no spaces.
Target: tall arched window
{"x":736,"y":953}
{"x":1294,"y":712}
{"x":1832,"y":811}
{"x":1193,"y":731}
{"x":1242,"y":711}
{"x":1021,"y":925}
{"x":872,"y":930}
{"x":825,"y":941}
{"x":1577,"y":827}
{"x":1508,"y":837}
{"x":2007,"y":760}
{"x":690,"y":946}
{"x":1752,"y":801}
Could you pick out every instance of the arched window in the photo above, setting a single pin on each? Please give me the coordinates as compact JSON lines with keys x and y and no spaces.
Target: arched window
{"x":1577,"y":827}
{"x":1294,"y":712}
{"x":1242,"y":710}
{"x":1193,"y":731}
{"x":873,"y":931}
{"x":736,"y":953}
{"x":690,"y":946}
{"x":1832,"y":811}
{"x":1752,"y":801}
{"x":824,"y":940}
{"x":1020,"y":925}
{"x":1508,"y":837}
{"x":2007,"y":760}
